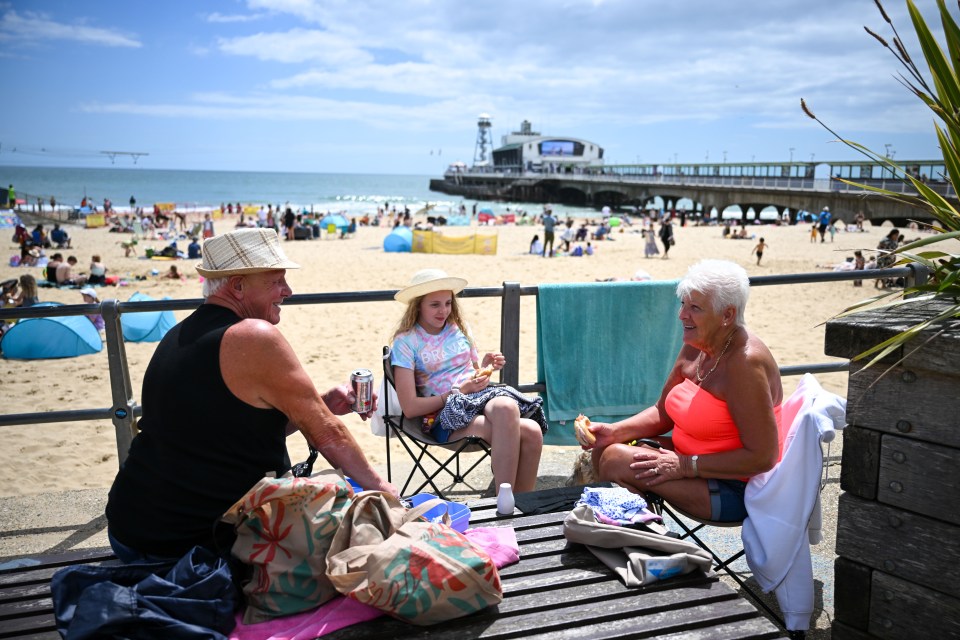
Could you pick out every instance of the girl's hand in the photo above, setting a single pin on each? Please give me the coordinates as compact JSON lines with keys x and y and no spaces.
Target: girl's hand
{"x":494,"y":359}
{"x":475,"y":384}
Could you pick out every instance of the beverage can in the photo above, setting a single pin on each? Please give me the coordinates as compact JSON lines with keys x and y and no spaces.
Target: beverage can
{"x":362,"y":382}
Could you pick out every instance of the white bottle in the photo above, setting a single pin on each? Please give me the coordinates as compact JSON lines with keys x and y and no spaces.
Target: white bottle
{"x":505,"y":502}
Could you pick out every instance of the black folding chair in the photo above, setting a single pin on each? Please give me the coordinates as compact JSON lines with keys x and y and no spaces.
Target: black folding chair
{"x":421,"y":446}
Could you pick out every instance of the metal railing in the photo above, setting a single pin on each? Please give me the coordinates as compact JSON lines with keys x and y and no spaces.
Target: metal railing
{"x":125,"y":408}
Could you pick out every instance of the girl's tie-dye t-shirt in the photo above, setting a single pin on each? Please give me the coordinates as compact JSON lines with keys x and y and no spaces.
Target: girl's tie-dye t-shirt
{"x":438,"y":361}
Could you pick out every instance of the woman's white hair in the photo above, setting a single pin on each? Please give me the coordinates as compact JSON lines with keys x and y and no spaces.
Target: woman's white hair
{"x":212,"y":285}
{"x":725,"y":283}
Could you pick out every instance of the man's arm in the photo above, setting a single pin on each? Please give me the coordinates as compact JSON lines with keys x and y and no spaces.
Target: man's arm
{"x":260,"y":367}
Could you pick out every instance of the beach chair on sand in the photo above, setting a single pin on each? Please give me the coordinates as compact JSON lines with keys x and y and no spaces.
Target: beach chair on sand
{"x":421,"y":446}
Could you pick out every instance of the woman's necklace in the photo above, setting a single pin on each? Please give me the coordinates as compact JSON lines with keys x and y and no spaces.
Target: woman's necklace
{"x":701,"y":378}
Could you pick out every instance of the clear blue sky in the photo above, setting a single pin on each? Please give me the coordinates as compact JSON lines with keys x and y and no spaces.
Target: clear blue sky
{"x":396,"y":86}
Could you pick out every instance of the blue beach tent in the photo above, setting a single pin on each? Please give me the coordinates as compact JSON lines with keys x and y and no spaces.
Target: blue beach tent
{"x":399,"y":240}
{"x":146,"y":326}
{"x":42,"y":338}
{"x":336,"y":220}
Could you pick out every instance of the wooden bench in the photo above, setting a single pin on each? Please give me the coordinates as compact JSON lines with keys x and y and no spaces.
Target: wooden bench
{"x":26,"y":608}
{"x":557,"y":590}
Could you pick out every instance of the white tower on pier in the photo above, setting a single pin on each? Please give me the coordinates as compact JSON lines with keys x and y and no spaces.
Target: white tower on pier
{"x":484,"y":149}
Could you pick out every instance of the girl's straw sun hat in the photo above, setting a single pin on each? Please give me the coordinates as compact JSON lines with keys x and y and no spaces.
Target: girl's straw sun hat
{"x":428,"y":281}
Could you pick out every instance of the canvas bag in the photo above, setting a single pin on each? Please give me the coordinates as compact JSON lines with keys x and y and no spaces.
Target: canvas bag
{"x":638,"y":557}
{"x":388,"y":557}
{"x":284,"y":528}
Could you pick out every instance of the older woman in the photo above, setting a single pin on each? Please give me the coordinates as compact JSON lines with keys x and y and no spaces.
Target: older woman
{"x":721,"y":399}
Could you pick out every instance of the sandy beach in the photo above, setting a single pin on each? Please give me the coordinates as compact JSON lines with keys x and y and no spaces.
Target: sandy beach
{"x":333,"y":339}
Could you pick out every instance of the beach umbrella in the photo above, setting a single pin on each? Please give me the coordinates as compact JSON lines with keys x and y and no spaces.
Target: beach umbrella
{"x":59,"y":337}
{"x":336,"y":220}
{"x":146,"y":326}
{"x":399,"y":240}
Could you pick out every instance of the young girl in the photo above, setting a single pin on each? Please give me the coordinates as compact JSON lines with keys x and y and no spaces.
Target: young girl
{"x":437,"y":371}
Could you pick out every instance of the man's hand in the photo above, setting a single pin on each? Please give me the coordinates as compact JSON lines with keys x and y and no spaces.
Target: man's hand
{"x":340,"y":401}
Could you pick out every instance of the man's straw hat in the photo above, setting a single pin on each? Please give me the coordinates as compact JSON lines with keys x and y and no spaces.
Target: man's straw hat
{"x":241,"y":252}
{"x":428,"y":281}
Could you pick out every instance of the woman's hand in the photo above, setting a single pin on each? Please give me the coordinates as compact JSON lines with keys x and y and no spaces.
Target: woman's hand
{"x":605,"y":434}
{"x":656,"y":466}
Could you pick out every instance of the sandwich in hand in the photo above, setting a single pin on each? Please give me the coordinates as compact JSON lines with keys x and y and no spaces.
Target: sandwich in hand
{"x":582,"y":432}
{"x":483,"y":373}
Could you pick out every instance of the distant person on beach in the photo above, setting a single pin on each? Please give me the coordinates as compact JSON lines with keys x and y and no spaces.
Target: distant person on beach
{"x":133,"y":203}
{"x":11,"y":197}
{"x":173,"y":274}
{"x":858,"y":265}
{"x":289,"y":223}
{"x":886,"y":258}
{"x":52,"y":264}
{"x":438,"y":373}
{"x":758,"y":250}
{"x":66,"y":275}
{"x":666,"y":236}
{"x":28,"y":292}
{"x":194,"y":252}
{"x":549,"y":223}
{"x":650,"y":247}
{"x":568,"y":235}
{"x":208,"y":231}
{"x":221,"y":394}
{"x":60,"y":237}
{"x":98,"y":272}
{"x":536,"y":247}
{"x":823,"y":221}
{"x":90,"y":297}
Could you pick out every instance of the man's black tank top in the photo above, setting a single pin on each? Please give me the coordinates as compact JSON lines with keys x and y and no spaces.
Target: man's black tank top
{"x":199,"y":449}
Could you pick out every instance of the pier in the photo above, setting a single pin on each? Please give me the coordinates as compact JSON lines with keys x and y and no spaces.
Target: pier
{"x":790,"y":186}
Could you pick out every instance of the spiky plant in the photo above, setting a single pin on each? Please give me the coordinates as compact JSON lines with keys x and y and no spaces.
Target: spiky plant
{"x":943,"y":99}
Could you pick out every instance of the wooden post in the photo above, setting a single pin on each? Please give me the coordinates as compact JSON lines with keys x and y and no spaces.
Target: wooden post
{"x":121,"y":389}
{"x":510,"y":333}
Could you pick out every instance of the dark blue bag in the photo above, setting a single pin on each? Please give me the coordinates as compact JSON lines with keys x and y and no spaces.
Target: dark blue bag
{"x":193,"y":597}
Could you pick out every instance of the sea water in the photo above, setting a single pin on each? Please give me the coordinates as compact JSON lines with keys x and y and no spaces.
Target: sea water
{"x":354,"y":194}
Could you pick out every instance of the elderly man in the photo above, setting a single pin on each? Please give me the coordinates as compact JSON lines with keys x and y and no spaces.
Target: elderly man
{"x":221,"y":393}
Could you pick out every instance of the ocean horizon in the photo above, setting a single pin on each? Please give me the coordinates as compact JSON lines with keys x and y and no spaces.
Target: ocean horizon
{"x":200,"y":189}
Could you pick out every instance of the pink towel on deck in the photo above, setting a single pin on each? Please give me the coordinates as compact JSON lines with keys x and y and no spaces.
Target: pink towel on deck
{"x":336,"y":614}
{"x":500,"y":543}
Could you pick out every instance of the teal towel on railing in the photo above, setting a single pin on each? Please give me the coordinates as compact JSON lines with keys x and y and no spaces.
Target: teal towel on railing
{"x":604,"y":349}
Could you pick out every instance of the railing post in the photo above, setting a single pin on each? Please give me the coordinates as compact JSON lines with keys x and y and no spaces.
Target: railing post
{"x":919,"y":275}
{"x":121,"y":389}
{"x":510,"y":333}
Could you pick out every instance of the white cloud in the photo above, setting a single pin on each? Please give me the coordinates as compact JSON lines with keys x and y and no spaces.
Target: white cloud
{"x":298,"y":46}
{"x":221,"y":18}
{"x":33,"y":27}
